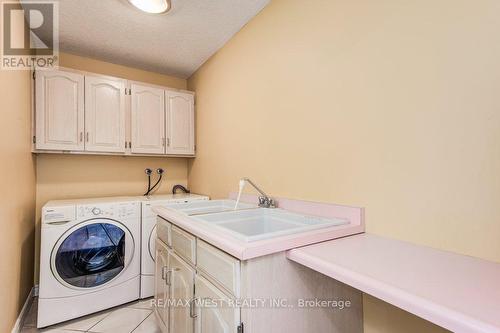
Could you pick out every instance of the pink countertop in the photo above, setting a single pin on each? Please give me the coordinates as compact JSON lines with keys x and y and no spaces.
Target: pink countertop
{"x":457,"y":292}
{"x":247,"y":250}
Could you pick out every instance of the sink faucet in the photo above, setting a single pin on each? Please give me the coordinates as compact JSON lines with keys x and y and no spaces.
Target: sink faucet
{"x":264,"y":200}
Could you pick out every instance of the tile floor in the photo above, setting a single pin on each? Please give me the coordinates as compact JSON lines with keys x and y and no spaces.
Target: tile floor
{"x":136,"y":317}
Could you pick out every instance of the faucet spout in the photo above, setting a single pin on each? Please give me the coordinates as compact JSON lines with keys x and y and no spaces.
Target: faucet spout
{"x":264,"y":200}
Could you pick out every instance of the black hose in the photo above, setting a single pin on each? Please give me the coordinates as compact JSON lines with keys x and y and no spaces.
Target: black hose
{"x":179,"y":187}
{"x":149,"y":185}
{"x":156,"y":184}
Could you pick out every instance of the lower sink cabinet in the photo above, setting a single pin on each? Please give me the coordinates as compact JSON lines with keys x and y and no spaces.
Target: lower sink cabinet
{"x":213,"y":313}
{"x":174,"y":289}
{"x":199,"y":295}
{"x":162,"y":289}
{"x":182,"y":290}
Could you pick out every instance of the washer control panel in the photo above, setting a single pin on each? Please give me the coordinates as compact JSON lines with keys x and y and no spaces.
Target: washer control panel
{"x":58,"y":215}
{"x":122,"y":210}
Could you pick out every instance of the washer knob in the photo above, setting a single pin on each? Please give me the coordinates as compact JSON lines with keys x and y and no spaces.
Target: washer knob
{"x":96,"y":211}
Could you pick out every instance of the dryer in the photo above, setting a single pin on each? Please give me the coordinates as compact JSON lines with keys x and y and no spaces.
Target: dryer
{"x":149,"y":235}
{"x":89,"y":257}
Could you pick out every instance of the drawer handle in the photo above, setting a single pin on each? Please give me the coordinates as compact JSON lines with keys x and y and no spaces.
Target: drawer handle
{"x":192,"y":313}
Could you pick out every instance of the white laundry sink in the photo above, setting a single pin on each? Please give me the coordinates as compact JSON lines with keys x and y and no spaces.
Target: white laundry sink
{"x":209,"y":206}
{"x":264,"y":223}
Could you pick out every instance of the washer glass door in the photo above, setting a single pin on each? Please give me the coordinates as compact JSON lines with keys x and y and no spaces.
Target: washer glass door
{"x":93,"y":254}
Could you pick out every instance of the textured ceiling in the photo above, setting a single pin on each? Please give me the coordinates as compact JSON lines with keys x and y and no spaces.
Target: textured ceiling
{"x":176,"y":43}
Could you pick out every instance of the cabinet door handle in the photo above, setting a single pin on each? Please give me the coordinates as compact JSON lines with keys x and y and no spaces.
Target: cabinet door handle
{"x":170,"y":273}
{"x":81,"y":136}
{"x":192,"y":303}
{"x":164,"y":273}
{"x":168,"y":278}
{"x":87,"y":137}
{"x":168,"y":142}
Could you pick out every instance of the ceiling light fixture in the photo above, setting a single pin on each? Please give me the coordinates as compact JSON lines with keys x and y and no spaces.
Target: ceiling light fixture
{"x":152,"y":6}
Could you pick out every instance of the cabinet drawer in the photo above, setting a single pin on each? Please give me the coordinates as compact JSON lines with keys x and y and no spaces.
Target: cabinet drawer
{"x":164,"y":230}
{"x":184,"y":244}
{"x":219,"y":266}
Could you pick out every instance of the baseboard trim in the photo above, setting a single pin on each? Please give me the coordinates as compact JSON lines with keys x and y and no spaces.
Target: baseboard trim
{"x":24,"y":311}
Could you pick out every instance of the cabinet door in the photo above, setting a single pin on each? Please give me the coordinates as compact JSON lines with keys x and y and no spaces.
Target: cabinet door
{"x":59,"y":109}
{"x":104,"y":115}
{"x":162,"y":290}
{"x":214,"y":319}
{"x":182,"y":291}
{"x":148,"y":120}
{"x":180,"y":123}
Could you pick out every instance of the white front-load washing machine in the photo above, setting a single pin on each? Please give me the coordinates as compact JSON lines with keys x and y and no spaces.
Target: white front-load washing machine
{"x":89,"y":257}
{"x":149,"y":235}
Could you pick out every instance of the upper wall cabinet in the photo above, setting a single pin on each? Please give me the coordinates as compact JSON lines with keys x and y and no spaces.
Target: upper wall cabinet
{"x":59,"y":111}
{"x":147,"y":120}
{"x":104,"y":115}
{"x":180,"y":123}
{"x":85,"y":113}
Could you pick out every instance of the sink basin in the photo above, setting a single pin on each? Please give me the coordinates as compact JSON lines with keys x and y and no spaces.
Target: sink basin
{"x":258,"y":224}
{"x":209,"y":206}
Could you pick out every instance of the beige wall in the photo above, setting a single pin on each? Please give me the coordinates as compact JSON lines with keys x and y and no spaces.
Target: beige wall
{"x":390,"y":105}
{"x":17,"y":195}
{"x":71,"y":176}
